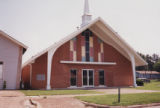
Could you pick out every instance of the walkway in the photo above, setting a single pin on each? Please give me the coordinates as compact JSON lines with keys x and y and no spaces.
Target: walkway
{"x":16,"y":99}
{"x":124,"y":91}
{"x":11,"y":99}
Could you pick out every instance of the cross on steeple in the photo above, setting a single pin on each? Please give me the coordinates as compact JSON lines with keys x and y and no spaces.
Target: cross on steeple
{"x":87,"y":17}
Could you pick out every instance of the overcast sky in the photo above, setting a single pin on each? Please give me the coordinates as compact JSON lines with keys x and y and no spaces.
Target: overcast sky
{"x":41,"y":23}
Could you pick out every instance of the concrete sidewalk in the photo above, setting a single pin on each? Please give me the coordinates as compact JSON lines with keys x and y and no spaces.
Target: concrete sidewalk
{"x":11,"y":99}
{"x":124,"y":91}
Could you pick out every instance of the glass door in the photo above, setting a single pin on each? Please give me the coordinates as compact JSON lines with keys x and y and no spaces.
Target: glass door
{"x":85,"y":78}
{"x":88,"y":77}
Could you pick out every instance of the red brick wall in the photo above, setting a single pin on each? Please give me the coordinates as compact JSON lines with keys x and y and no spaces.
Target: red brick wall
{"x":122,"y":71}
{"x":26,"y":74}
{"x":79,"y":77}
{"x":96,"y":47}
{"x":79,"y":58}
{"x":115,"y":75}
{"x":60,"y":77}
{"x":39,"y":67}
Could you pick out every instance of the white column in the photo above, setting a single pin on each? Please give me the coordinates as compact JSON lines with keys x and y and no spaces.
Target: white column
{"x":133,"y":70}
{"x":49,"y":67}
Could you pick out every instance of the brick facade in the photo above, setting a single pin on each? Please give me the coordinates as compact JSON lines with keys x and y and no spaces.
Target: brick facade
{"x":25,"y":76}
{"x":115,"y":75}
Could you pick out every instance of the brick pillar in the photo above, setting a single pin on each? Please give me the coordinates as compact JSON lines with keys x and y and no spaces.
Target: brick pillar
{"x":79,"y":53}
{"x":79,"y":78}
{"x":96,"y":78}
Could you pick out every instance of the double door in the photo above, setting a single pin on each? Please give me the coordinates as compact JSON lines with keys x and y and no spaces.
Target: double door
{"x":88,"y":77}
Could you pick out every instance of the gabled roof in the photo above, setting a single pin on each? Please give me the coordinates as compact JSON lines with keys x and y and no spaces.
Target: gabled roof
{"x":14,"y":40}
{"x":104,"y":32}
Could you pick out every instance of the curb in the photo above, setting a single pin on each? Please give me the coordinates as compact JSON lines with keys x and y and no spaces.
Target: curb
{"x":132,"y":106}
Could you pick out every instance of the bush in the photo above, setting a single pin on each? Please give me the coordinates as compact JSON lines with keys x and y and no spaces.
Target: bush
{"x":21,"y":85}
{"x":27,"y":86}
{"x":4,"y":85}
{"x":139,"y":82}
{"x":147,"y":81}
{"x":157,"y":66}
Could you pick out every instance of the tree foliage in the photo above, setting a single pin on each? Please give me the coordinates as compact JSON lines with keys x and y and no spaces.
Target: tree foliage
{"x":157,"y":66}
{"x":152,"y":60}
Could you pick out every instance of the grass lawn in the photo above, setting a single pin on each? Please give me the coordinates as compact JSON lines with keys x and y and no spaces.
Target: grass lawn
{"x":57,"y":92}
{"x":126,"y":99}
{"x":153,"y":85}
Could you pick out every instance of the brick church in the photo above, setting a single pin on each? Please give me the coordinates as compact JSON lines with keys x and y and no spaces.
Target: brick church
{"x":93,"y":56}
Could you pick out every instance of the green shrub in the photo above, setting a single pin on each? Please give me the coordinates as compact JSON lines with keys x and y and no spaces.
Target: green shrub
{"x":157,"y":66}
{"x":139,"y":82}
{"x":4,"y":85}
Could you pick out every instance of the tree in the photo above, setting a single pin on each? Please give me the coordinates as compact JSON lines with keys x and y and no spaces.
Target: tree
{"x":155,"y":57}
{"x":150,"y":62}
{"x":141,"y":68}
{"x":157,"y":66}
{"x":150,"y":59}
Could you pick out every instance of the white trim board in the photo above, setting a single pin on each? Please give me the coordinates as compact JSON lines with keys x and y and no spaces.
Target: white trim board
{"x":89,"y":63}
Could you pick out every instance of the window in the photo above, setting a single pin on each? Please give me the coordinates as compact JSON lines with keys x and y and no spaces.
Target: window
{"x":87,"y":45}
{"x":40,"y":77}
{"x":101,"y":77}
{"x":88,"y":77}
{"x":73,"y":78}
{"x":1,"y":70}
{"x":87,"y":35}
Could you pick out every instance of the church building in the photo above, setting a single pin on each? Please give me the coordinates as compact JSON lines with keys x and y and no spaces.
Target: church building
{"x":93,"y":56}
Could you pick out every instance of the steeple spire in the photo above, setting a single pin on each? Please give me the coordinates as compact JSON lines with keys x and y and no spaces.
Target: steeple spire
{"x":86,"y":7}
{"x":86,"y":18}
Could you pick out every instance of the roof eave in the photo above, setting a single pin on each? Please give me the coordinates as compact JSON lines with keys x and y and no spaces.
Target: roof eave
{"x":14,"y":40}
{"x":143,"y":62}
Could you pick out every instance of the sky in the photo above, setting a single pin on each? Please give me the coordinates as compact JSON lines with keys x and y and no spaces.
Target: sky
{"x":40,"y":23}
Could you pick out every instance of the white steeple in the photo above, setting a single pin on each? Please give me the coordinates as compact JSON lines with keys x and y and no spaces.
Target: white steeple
{"x":86,"y":18}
